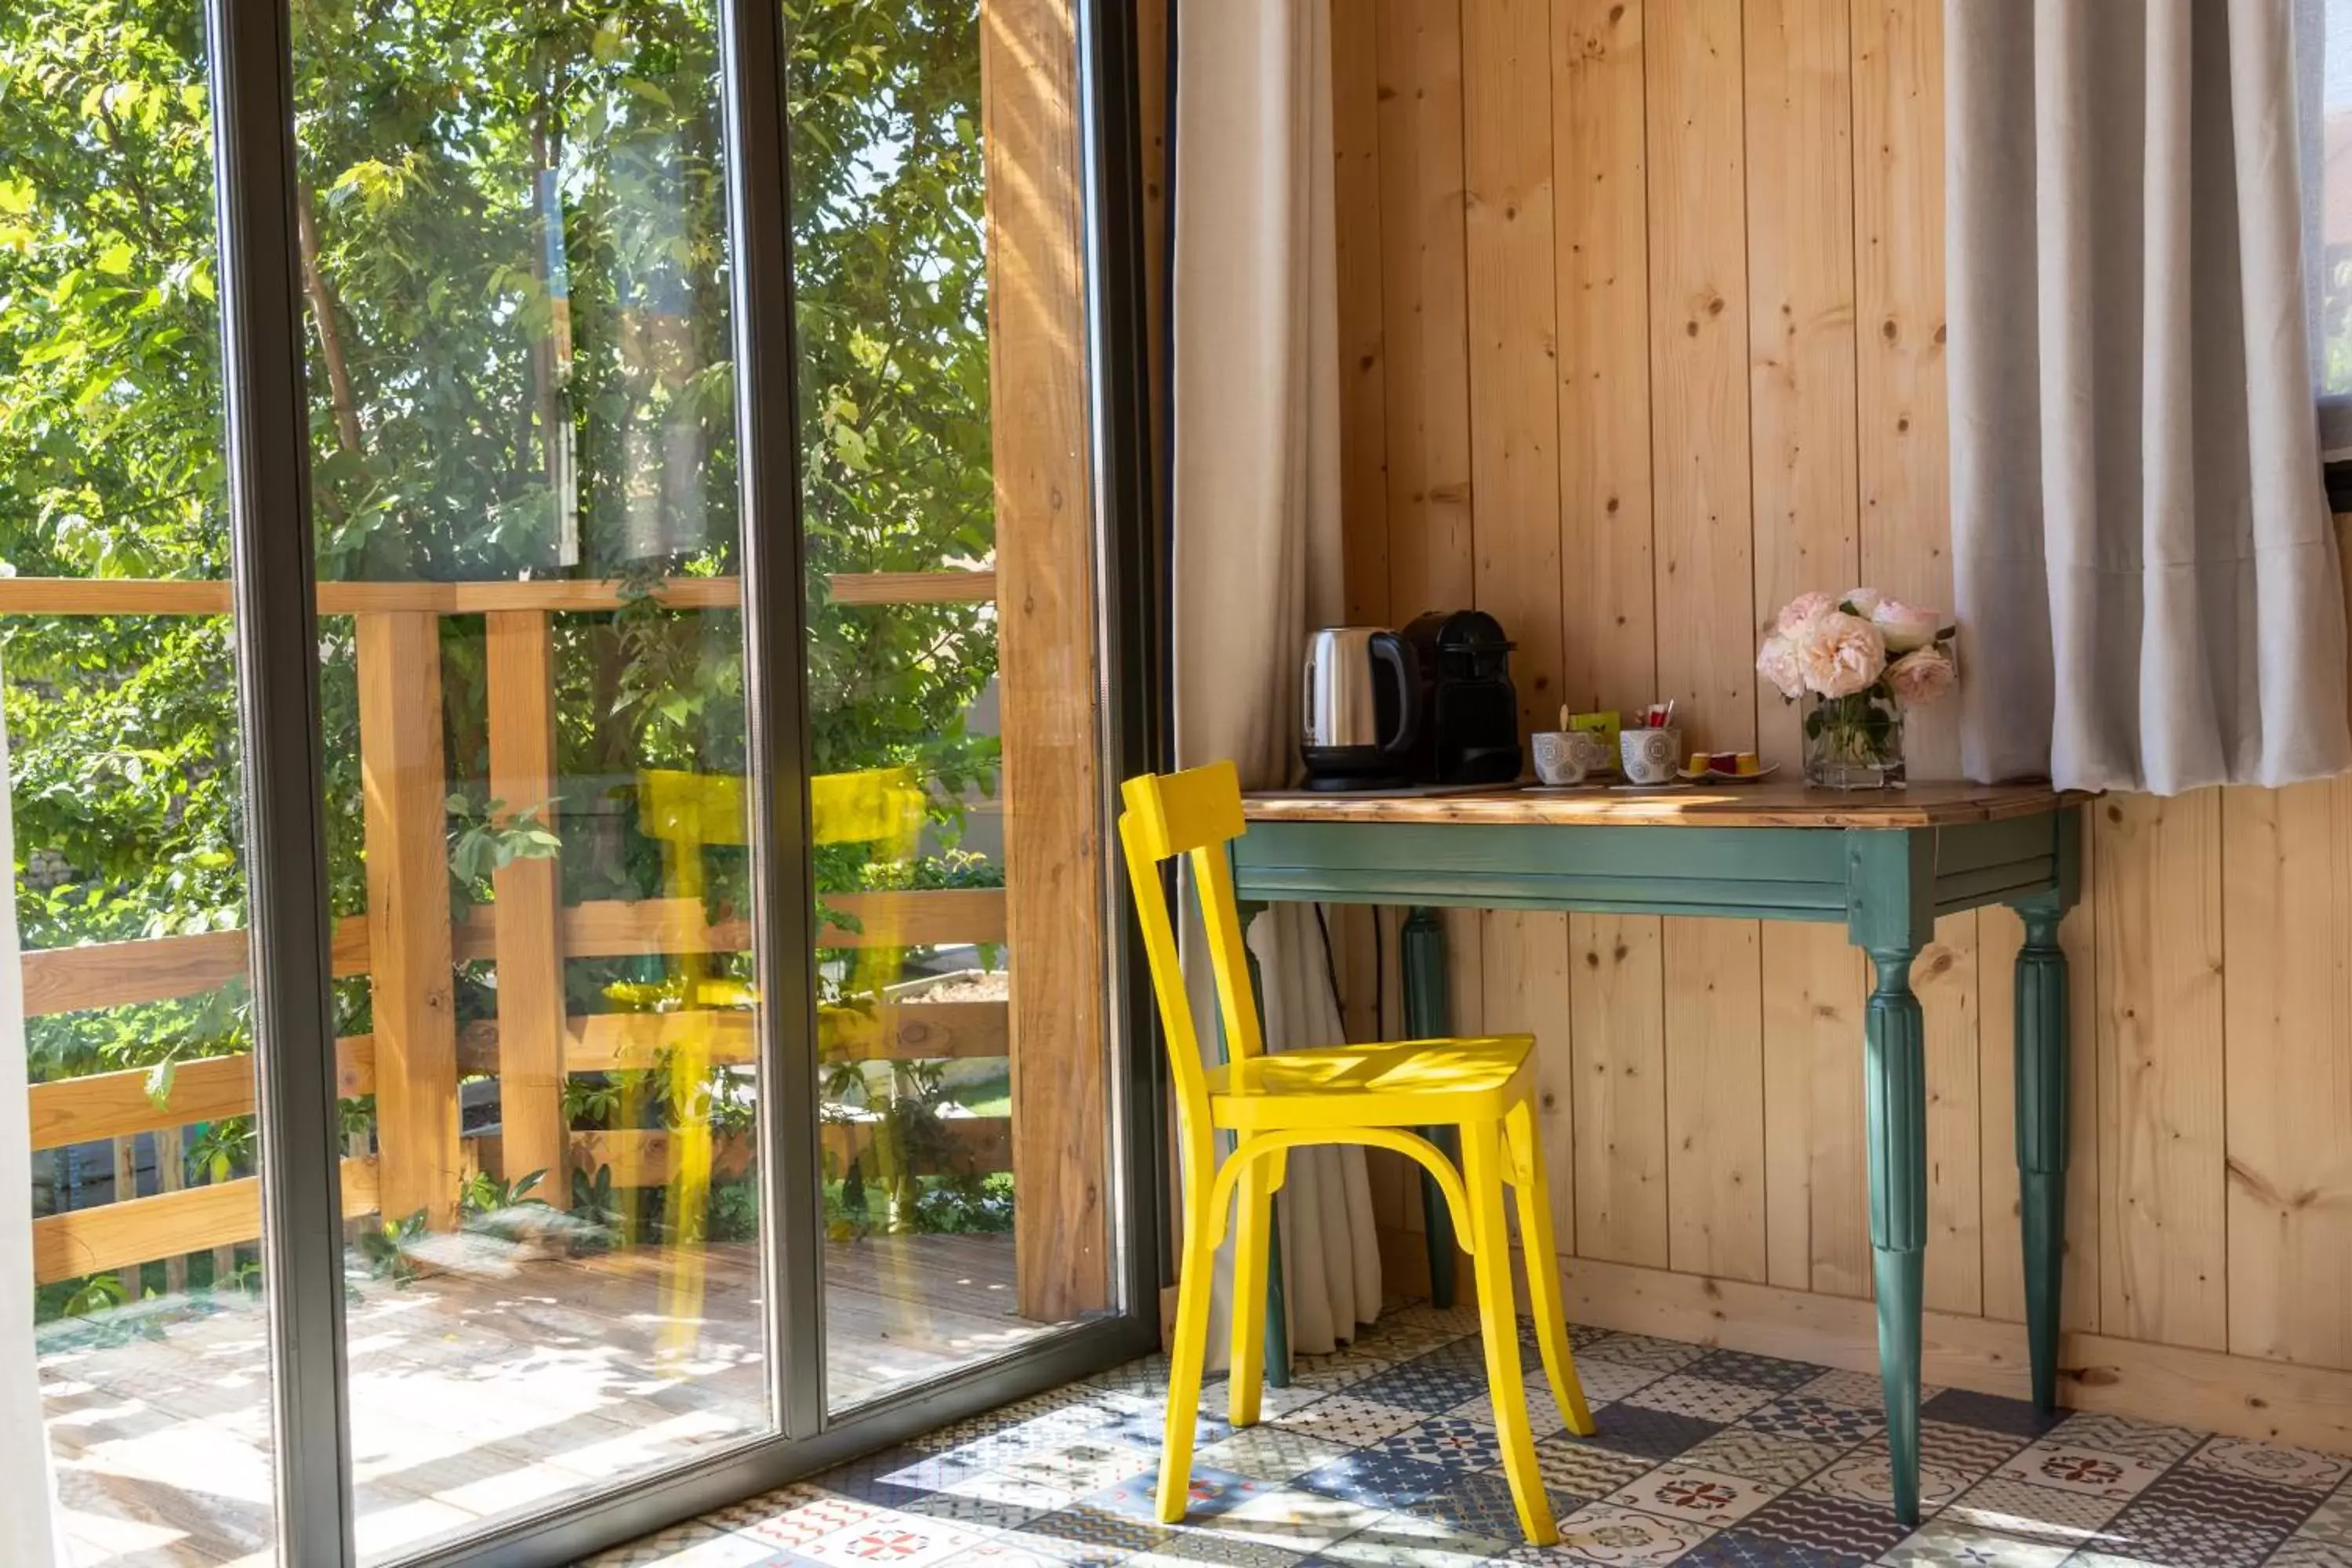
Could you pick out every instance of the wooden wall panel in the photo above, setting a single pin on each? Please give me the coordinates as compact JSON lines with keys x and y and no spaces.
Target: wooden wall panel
{"x":1905,"y":477}
{"x":1745,"y":337}
{"x":1424,"y":303}
{"x":1801,"y":411}
{"x":1609,"y":651}
{"x":2286,"y":919}
{"x":2161,"y":1145}
{"x":1705,"y":604}
{"x":1515,"y":479}
{"x":1363,"y":415}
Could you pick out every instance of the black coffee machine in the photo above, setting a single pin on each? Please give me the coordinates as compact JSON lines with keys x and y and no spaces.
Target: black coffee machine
{"x":1469,"y":730}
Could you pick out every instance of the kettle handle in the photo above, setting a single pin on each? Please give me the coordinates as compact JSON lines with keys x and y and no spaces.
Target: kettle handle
{"x":1392,"y":650}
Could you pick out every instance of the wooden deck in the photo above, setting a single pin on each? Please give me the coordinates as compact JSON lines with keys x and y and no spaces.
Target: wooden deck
{"x":497,"y":1386}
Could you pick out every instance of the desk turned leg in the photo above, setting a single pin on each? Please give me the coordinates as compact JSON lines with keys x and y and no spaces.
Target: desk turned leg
{"x":1895,"y":1093}
{"x":2042,"y":1074}
{"x":1421,"y":955}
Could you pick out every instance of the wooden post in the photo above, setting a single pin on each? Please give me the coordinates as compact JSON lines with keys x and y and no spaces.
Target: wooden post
{"x":1046,"y":605}
{"x":528,"y":910}
{"x":404,"y":780}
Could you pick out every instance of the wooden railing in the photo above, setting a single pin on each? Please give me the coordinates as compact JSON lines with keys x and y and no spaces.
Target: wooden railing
{"x":414,"y":1059}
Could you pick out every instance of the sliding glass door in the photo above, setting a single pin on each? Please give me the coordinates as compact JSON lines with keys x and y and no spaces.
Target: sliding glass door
{"x":559,"y":649}
{"x":957,"y":1163}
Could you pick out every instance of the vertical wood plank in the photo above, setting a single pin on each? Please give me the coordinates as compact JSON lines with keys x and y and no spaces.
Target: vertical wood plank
{"x":1526,"y":984}
{"x":1714,"y":1099}
{"x":1946,"y":977}
{"x":1618,"y":1027}
{"x":1800,"y":334}
{"x":1363,"y":463}
{"x":1425,"y":298}
{"x":1800,"y":371}
{"x":1609,"y":651}
{"x":528,"y":910}
{"x":1905,"y":464}
{"x":1045,"y":563}
{"x":1363,"y":369}
{"x":1599,"y":140}
{"x":1425,"y":305}
{"x":1817,"y":1219}
{"x":1905,"y":538}
{"x":1705,"y":602}
{"x":405,"y":786}
{"x":1514,"y":486}
{"x":1698,"y":350}
{"x":2286,"y":919}
{"x":2163,"y":1152}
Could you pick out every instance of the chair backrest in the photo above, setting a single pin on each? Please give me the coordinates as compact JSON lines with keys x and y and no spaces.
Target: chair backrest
{"x":1196,"y":813}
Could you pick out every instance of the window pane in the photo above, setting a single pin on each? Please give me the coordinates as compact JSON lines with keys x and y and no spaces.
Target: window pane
{"x":123,"y":756}
{"x":2325,"y":39}
{"x":514,"y":255}
{"x":942,"y":1247}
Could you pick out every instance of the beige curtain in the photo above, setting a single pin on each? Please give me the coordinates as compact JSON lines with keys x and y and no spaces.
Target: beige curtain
{"x":28,"y":1522}
{"x":2144,"y":562}
{"x":1256,"y":523}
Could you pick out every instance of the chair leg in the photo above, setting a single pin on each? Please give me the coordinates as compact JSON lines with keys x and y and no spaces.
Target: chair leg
{"x":1186,"y":1356}
{"x":1544,"y":1298}
{"x":1482,"y":1173}
{"x":1252,"y":1243}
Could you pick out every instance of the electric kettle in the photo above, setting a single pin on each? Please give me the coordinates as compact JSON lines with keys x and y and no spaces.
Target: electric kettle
{"x":1362,"y":717}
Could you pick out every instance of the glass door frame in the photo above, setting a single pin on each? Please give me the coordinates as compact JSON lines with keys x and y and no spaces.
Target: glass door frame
{"x":276,"y":637}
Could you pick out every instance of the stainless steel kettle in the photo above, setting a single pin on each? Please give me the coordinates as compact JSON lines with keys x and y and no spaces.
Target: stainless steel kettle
{"x":1357,"y":729}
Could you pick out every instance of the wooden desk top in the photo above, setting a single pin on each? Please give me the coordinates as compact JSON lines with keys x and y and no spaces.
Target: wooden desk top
{"x":1773,"y":804}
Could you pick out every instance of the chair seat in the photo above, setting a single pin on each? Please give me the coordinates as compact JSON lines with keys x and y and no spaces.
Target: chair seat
{"x":1402,"y":1083}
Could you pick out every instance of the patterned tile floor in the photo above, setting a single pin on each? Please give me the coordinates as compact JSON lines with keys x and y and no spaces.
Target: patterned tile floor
{"x":1384,"y":1456}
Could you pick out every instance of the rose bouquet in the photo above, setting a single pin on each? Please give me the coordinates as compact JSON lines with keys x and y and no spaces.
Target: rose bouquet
{"x":1858,"y":660}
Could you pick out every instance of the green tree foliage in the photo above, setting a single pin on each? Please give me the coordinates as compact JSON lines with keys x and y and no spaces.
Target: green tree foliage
{"x":515,"y":270}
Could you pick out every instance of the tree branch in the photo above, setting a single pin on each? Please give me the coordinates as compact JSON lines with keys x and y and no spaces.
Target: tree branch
{"x":325,"y":312}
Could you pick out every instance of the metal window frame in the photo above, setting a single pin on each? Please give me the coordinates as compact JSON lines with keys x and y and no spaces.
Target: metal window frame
{"x":276,"y":635}
{"x":275,"y":628}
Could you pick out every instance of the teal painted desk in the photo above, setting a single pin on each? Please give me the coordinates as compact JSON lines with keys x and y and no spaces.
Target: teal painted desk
{"x":1883,"y":865}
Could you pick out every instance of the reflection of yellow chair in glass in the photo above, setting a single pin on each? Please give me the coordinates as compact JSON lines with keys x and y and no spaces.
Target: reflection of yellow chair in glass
{"x":685,"y":813}
{"x":1369,"y":1095}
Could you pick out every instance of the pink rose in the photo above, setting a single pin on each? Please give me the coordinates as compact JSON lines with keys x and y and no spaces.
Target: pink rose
{"x":1801,"y":609}
{"x":1906,"y":626}
{"x":1840,"y":654}
{"x":1921,"y":676}
{"x":1861,"y":601}
{"x":1777,"y":662}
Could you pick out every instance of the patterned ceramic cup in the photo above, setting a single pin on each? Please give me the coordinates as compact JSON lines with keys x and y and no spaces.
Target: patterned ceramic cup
{"x":1599,"y":757}
{"x":1558,"y":758}
{"x":1650,"y":754}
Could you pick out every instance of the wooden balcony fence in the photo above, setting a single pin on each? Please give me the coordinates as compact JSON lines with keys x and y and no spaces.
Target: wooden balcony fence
{"x":409,"y":945}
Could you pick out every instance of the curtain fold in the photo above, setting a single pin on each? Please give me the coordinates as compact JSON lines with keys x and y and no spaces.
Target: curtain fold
{"x":2146,"y":570}
{"x":28,"y":1522}
{"x":1256,"y":524}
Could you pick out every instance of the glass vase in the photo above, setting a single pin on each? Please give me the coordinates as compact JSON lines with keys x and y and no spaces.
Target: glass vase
{"x":1854,"y":743}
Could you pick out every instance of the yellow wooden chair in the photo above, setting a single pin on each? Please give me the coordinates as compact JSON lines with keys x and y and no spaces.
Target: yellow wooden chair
{"x":1343,"y":1094}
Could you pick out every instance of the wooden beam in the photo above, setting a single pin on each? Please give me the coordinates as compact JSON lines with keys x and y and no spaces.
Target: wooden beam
{"x":220,"y":1213}
{"x":1053,"y":833}
{"x":405,"y":785}
{"x":207,"y":1089}
{"x":154,"y":969}
{"x":526,"y":919}
{"x":199,"y":596}
{"x":117,"y":974}
{"x":649,"y":1158}
{"x":912,"y":1031}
